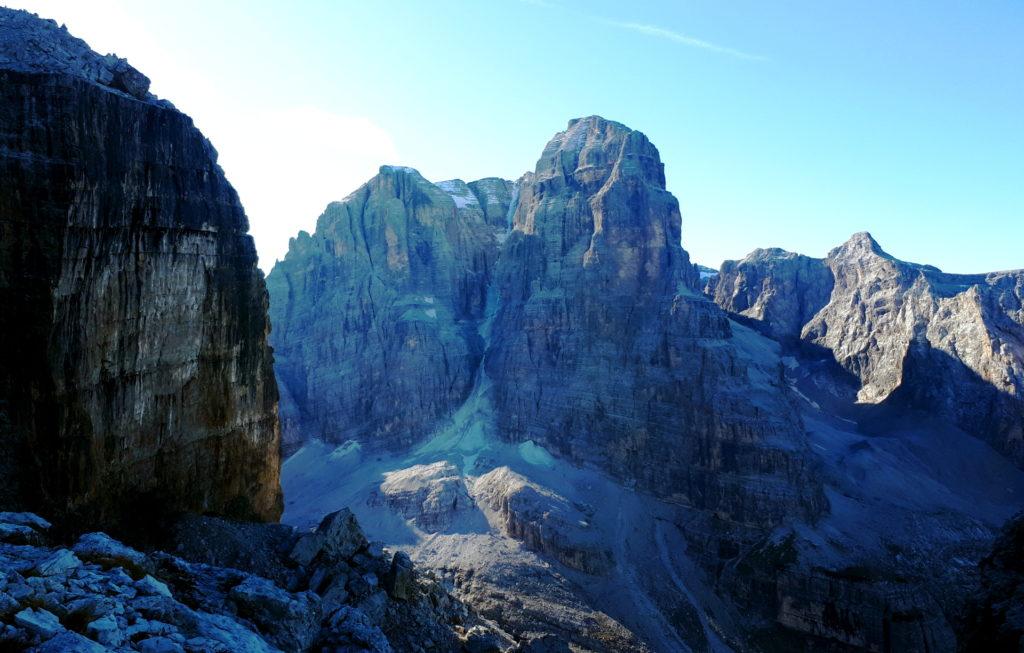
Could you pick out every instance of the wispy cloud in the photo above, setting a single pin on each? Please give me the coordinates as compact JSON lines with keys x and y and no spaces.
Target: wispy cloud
{"x":689,"y":41}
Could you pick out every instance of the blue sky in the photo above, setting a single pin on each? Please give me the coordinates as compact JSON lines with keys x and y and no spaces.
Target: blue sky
{"x":790,"y":124}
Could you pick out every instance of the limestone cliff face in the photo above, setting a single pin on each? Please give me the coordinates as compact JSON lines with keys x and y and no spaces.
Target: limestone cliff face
{"x":603,"y":351}
{"x":951,"y":344}
{"x":780,"y":289}
{"x":135,"y":372}
{"x":376,"y":313}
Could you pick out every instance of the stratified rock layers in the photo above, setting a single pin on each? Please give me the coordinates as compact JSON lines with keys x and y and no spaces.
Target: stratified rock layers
{"x":135,"y":372}
{"x":376,"y":314}
{"x":951,"y":344}
{"x":781,"y":289}
{"x":603,"y":351}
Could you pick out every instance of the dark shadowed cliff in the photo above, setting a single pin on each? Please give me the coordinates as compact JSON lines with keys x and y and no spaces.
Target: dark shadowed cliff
{"x":135,"y":376}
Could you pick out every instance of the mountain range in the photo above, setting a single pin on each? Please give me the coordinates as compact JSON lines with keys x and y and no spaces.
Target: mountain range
{"x":492,"y":415}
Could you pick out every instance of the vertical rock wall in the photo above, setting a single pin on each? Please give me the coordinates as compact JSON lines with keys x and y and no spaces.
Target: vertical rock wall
{"x":376,"y":313}
{"x":136,"y":377}
{"x":603,"y":350}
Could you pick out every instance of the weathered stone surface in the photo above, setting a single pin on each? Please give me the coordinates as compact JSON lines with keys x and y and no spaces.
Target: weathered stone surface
{"x":400,"y":581}
{"x":41,"y":622}
{"x":336,"y":539}
{"x":433,"y":496}
{"x":603,"y":352}
{"x":192,"y":606}
{"x":294,"y":619}
{"x":544,"y":522}
{"x":375,"y":314}
{"x":102,"y":549}
{"x":135,"y":377}
{"x":949,"y":344}
{"x":60,"y":562}
{"x":780,"y":289}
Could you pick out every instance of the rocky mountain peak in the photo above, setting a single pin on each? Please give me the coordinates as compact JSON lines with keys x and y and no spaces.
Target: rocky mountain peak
{"x":860,"y":244}
{"x":591,"y":149}
{"x":767,"y":254}
{"x":31,"y":44}
{"x":897,"y":327}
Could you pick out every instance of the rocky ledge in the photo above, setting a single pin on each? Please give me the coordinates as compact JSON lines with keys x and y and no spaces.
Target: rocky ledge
{"x":329,"y":589}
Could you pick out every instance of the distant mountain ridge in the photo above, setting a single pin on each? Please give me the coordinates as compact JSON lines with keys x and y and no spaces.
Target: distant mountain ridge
{"x":949,"y":344}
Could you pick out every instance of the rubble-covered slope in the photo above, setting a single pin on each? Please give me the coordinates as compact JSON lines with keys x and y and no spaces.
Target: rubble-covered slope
{"x":230,"y":587}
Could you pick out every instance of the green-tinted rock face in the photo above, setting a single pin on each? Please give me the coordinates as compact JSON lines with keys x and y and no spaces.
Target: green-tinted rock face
{"x":135,"y":376}
{"x":376,"y":313}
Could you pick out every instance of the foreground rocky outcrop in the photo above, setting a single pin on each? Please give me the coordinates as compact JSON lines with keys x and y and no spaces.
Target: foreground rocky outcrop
{"x":135,"y":376}
{"x":949,"y":344}
{"x":230,"y":587}
{"x":375,"y":315}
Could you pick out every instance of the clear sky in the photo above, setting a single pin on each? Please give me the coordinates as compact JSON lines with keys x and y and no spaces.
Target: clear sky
{"x":790,"y":124}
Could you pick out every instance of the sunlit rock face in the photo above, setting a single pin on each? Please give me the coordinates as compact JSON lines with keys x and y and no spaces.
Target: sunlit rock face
{"x":951,"y":344}
{"x":780,"y":289}
{"x":135,"y":373}
{"x":375,"y":315}
{"x":603,"y":351}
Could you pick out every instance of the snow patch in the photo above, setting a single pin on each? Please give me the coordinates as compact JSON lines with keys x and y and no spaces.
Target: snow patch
{"x":400,"y":169}
{"x":458,"y":191}
{"x":535,"y":454}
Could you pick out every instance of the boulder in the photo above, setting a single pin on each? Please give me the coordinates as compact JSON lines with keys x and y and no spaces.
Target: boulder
{"x":39,"y":621}
{"x":60,"y":562}
{"x":290,"y":621}
{"x":400,"y":581}
{"x":336,"y":539}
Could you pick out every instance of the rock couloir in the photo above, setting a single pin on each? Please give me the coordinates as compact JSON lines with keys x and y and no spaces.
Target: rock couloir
{"x":135,"y":376}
